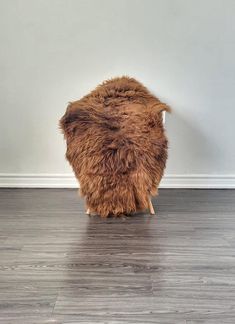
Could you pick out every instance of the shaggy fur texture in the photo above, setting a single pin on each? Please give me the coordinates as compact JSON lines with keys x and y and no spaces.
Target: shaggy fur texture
{"x":116,"y":145}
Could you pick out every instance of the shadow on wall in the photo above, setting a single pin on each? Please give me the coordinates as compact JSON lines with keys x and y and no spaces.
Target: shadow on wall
{"x":196,"y":151}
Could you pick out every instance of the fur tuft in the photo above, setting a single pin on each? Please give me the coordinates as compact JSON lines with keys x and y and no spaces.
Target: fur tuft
{"x":116,"y":145}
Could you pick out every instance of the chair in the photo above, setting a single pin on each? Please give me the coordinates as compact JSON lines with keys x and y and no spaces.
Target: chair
{"x":117,"y":147}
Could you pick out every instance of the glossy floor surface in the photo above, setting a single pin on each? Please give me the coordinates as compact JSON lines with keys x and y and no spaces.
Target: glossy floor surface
{"x":58,"y":265}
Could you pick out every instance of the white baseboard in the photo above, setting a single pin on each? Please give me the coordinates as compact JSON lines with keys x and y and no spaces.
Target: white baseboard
{"x":199,"y":181}
{"x":38,"y":180}
{"x":68,"y":181}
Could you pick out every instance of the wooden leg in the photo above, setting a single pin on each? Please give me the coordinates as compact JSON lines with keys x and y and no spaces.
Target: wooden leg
{"x":151,"y":209}
{"x":88,"y":211}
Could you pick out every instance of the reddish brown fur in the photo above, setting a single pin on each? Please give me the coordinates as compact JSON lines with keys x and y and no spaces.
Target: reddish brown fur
{"x":116,"y":145}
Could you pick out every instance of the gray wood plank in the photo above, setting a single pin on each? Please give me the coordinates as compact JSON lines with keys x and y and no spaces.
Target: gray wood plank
{"x":58,"y":265}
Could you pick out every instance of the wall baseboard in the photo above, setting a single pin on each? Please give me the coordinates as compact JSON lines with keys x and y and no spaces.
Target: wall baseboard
{"x":203,"y":181}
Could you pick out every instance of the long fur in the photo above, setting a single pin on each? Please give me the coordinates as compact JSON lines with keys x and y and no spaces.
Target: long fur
{"x":116,"y":145}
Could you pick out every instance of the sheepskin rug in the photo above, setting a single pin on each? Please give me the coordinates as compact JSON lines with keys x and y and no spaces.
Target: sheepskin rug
{"x":116,"y":145}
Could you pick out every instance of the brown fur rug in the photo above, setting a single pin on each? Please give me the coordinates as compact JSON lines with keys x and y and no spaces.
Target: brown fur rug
{"x":116,"y":145}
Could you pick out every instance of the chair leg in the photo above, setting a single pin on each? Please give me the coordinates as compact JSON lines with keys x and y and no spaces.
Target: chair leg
{"x":151,"y":209}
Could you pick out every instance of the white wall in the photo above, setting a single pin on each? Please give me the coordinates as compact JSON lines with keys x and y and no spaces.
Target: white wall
{"x":56,"y":51}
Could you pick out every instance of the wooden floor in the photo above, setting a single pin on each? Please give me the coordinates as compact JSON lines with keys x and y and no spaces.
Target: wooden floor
{"x":58,"y":265}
